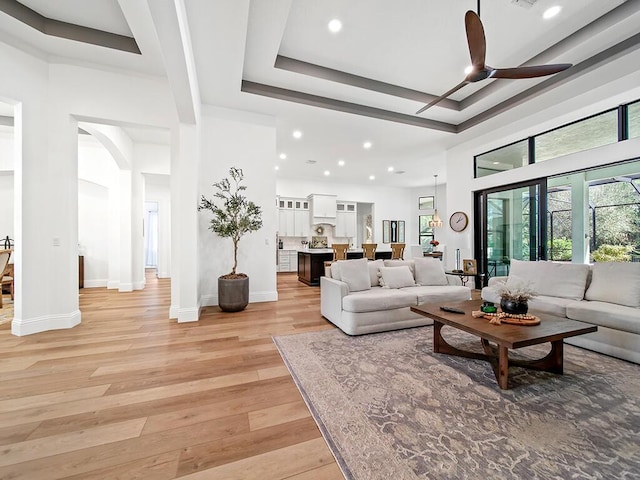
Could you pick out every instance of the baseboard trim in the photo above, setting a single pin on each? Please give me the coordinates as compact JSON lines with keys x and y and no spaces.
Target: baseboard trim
{"x":188,"y":314}
{"x":125,"y":287}
{"x":29,"y":326}
{"x":96,"y":283}
{"x":113,"y":284}
{"x":254,"y":297}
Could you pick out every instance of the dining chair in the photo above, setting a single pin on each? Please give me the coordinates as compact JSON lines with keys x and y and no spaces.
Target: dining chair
{"x":4,"y":261}
{"x":340,"y":251}
{"x":397,"y":251}
{"x":369,"y":250}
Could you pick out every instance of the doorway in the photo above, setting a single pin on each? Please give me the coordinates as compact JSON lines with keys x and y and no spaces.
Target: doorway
{"x":510,"y":226}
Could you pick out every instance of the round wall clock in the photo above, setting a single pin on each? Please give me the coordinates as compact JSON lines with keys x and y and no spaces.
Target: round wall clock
{"x":458,"y":221}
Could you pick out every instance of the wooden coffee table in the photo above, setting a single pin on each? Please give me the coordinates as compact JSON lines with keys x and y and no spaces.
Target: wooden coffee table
{"x":551,"y":329}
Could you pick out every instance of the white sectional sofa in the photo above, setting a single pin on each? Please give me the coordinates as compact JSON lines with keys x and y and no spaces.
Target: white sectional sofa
{"x":603,"y":294}
{"x":353,"y":298}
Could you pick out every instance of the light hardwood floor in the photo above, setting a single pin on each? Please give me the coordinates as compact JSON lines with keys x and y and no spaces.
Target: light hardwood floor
{"x":129,"y":393}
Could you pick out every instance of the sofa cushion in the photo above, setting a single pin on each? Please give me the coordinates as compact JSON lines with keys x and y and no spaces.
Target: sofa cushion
{"x":396,"y":277}
{"x":439,"y":293}
{"x":401,"y":263}
{"x":429,"y":271}
{"x":550,"y":305}
{"x":615,"y":282}
{"x":553,"y":279}
{"x":374,"y":267}
{"x":355,"y":273}
{"x":377,"y":299}
{"x":611,"y":315}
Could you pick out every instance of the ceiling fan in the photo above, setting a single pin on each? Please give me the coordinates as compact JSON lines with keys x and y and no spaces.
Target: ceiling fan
{"x":481,"y":71}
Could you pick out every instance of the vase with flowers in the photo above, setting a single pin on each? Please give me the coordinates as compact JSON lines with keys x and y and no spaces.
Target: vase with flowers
{"x":515,"y":294}
{"x":434,"y":245}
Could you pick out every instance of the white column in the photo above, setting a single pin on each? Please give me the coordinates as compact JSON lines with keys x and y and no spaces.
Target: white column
{"x":579,"y":218}
{"x":185,"y":154}
{"x":137,"y":239}
{"x":126,"y":275}
{"x":46,"y":192}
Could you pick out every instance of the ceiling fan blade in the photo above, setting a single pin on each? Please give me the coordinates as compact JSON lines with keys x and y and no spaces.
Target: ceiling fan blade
{"x":475,"y":39}
{"x":442,"y":97}
{"x":530,"y":72}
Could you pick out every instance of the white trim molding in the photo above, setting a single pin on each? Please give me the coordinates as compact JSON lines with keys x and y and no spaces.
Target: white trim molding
{"x":29,"y":326}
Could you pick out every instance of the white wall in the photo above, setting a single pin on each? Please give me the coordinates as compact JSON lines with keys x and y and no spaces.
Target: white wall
{"x":93,"y":207}
{"x":246,"y":141}
{"x":6,"y":206}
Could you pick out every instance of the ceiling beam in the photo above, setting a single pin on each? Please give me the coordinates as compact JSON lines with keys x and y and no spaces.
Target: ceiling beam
{"x":341,"y":106}
{"x":338,"y":76}
{"x":70,"y":31}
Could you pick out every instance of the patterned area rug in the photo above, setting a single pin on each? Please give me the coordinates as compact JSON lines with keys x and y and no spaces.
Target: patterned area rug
{"x":389,"y":408}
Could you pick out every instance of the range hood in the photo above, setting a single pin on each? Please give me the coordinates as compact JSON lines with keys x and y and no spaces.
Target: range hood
{"x":323,"y":208}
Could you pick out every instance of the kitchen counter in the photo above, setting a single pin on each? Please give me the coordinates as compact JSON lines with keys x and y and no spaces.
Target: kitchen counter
{"x":311,"y":262}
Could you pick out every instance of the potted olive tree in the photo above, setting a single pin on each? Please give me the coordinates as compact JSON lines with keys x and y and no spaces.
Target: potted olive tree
{"x":233,"y":217}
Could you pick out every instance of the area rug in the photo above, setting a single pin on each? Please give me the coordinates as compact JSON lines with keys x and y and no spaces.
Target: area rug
{"x":390,"y":408}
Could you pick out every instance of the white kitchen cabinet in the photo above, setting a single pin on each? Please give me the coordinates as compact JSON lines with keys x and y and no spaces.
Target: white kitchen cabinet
{"x":293,"y":217}
{"x":346,"y":220}
{"x":287,"y":260}
{"x":323,"y":208}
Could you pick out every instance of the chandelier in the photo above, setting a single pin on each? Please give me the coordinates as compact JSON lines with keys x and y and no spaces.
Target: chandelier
{"x":435,"y":221}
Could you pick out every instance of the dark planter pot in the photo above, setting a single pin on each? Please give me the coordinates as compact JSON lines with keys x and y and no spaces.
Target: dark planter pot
{"x":233,"y":294}
{"x":516,"y":308}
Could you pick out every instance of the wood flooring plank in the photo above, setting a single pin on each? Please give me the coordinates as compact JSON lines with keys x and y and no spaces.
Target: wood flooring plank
{"x":35,"y":401}
{"x":275,"y":415}
{"x":67,"y":442}
{"x":156,"y":467}
{"x":278,"y":464}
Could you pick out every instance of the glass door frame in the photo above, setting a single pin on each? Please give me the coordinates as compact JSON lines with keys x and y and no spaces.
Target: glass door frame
{"x":537,"y":222}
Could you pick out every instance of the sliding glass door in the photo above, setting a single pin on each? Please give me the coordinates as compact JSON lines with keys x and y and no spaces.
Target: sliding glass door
{"x":510,"y":226}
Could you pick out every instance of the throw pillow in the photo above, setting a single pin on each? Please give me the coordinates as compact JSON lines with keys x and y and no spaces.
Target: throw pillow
{"x":374,"y":266}
{"x":402,"y":263}
{"x":429,"y":271}
{"x":615,"y":282}
{"x":396,"y":277}
{"x":355,"y":273}
{"x":335,"y":271}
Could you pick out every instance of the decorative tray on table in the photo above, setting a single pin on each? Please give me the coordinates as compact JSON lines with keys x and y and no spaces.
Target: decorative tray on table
{"x":511,"y":318}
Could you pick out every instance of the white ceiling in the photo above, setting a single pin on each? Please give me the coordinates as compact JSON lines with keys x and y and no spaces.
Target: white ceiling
{"x":411,"y":44}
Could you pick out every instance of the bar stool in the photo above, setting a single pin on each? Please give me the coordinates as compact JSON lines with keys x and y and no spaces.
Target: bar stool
{"x":340,"y":251}
{"x":369,"y":250}
{"x":397,"y":251}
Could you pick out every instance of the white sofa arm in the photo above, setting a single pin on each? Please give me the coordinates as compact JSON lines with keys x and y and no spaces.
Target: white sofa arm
{"x":332,"y":292}
{"x":494,"y":281}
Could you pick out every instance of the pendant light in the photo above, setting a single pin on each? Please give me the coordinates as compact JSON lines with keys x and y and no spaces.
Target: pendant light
{"x":435,"y":221}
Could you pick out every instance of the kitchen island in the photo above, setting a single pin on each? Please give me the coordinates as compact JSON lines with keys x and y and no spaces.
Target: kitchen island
{"x":311,"y":262}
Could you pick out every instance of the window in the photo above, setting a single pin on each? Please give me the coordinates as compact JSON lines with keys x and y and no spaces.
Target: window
{"x":634,"y":120}
{"x":589,"y":133}
{"x":504,"y":158}
{"x":426,"y":232}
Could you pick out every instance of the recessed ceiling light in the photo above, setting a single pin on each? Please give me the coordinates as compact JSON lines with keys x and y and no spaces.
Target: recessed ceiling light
{"x":496,"y":163}
{"x":297,"y":134}
{"x":327,"y":173}
{"x":390,"y":169}
{"x":277,"y":167}
{"x":366,"y":145}
{"x":341,"y":163}
{"x":551,"y":12}
{"x":283,"y":156}
{"x":468,"y":69}
{"x":335,"y":25}
{"x":372,"y":177}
